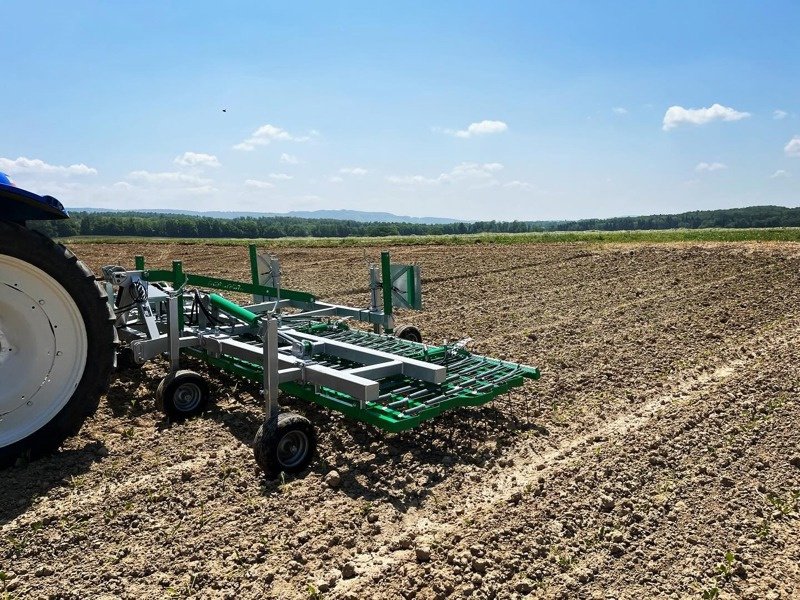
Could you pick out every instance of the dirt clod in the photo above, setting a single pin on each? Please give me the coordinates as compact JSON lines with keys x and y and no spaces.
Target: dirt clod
{"x":333,"y":479}
{"x":348,"y":570}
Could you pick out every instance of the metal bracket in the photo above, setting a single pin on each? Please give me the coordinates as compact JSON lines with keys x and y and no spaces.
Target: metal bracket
{"x":269,"y":342}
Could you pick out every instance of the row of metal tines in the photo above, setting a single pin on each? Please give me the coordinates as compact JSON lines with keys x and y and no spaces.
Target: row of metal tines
{"x":468,"y":375}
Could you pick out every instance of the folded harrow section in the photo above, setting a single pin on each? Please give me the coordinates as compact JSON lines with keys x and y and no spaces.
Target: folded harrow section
{"x":403,"y":402}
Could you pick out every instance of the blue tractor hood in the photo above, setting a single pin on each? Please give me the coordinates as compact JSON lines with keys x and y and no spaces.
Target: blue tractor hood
{"x":20,"y":205}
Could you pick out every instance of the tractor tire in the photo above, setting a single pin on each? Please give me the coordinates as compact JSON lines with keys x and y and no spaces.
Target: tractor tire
{"x":285,"y":445}
{"x":57,"y":343}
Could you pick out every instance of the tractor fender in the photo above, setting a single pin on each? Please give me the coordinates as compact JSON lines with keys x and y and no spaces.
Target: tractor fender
{"x":18,"y":205}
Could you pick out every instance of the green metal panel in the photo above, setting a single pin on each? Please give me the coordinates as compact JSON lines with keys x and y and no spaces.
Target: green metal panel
{"x":249,"y":288}
{"x":405,"y":286}
{"x":228,"y":285}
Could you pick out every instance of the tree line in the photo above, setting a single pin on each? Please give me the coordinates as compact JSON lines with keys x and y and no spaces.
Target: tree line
{"x":189,"y":226}
{"x":729,"y":218}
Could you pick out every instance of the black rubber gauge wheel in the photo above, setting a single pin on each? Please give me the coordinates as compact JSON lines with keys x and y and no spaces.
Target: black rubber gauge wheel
{"x":286,"y":444}
{"x":408,"y":332}
{"x":182,"y":394}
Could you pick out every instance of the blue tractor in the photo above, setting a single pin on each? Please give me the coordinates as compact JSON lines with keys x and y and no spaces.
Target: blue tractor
{"x":57,"y":336}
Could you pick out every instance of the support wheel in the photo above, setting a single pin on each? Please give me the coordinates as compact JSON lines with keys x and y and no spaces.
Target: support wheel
{"x":286,"y":444}
{"x":182,"y":394}
{"x":408,"y":332}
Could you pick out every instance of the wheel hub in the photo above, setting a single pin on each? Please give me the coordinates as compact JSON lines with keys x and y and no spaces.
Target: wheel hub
{"x":292,"y":448}
{"x":187,"y":397}
{"x":43,"y":347}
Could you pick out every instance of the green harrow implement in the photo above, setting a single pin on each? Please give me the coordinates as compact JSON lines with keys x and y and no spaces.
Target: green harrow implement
{"x":289,"y":341}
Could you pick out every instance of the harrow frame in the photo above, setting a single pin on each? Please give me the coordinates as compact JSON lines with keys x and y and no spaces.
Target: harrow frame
{"x":289,"y":341}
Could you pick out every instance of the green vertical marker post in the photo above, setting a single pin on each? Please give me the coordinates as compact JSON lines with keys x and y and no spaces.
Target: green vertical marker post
{"x":254,"y":274}
{"x":253,"y":264}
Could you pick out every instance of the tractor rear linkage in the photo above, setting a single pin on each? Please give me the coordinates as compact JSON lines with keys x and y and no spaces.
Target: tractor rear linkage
{"x":289,"y":341}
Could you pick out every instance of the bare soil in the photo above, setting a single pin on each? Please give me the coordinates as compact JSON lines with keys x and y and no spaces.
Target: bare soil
{"x":658,"y":456}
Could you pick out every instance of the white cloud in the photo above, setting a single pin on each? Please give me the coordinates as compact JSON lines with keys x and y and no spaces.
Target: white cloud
{"x":122,"y":185}
{"x":266,"y":134}
{"x":410,"y":179}
{"x":792,"y":148}
{"x":336,"y":179}
{"x":202,"y":189}
{"x":280,"y":176}
{"x":779,"y":173}
{"x":619,"y":110}
{"x":197,"y":159}
{"x":715,"y":166}
{"x":481,"y":128}
{"x":466,"y":171}
{"x":358,"y":171}
{"x":779,"y":114}
{"x":258,"y":184}
{"x":518,"y":185}
{"x":289,"y":159}
{"x":168,"y":177}
{"x":37,"y":166}
{"x":676,"y":115}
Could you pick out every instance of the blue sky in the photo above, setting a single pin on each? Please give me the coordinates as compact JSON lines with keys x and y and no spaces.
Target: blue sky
{"x":472,"y":110}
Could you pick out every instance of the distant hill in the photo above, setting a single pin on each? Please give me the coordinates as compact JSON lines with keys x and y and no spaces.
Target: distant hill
{"x":367,"y":217}
{"x":338,"y":215}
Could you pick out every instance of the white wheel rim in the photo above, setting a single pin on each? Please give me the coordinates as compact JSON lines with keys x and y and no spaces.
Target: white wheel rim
{"x":43,"y":347}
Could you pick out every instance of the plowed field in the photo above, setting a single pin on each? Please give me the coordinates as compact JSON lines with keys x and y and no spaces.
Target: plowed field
{"x":658,"y":456}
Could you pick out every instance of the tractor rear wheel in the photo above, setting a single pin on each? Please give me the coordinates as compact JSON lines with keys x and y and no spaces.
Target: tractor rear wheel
{"x":57,"y":343}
